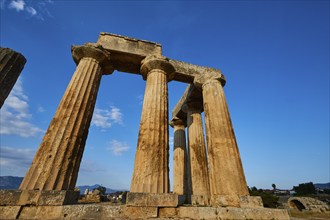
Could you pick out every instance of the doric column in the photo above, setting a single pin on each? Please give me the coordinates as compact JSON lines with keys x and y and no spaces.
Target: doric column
{"x":197,"y":149}
{"x":179,"y":157}
{"x":151,"y":160}
{"x":225,"y":166}
{"x":11,"y":65}
{"x":56,"y":163}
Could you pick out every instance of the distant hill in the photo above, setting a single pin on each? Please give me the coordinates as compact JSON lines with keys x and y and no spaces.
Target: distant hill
{"x":13,"y":182}
{"x":322,"y":185}
{"x":10,"y":182}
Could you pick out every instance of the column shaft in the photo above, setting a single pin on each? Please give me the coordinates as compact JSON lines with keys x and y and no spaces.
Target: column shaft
{"x":179,"y":160}
{"x":151,"y":159}
{"x":197,"y":151}
{"x":56,"y":164}
{"x":225,"y":166}
{"x":11,"y":65}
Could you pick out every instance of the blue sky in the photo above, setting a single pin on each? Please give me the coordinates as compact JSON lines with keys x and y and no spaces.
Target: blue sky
{"x":274,"y":54}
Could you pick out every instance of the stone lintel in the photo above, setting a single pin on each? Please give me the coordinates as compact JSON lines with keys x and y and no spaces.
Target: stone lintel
{"x":186,"y":72}
{"x":154,"y":200}
{"x":37,"y":197}
{"x":191,"y":94}
{"x":127,"y":54}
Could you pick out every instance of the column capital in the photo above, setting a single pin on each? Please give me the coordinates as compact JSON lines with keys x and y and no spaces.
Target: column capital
{"x":157,"y":62}
{"x":208,"y":76}
{"x":177,"y":122}
{"x":94,"y":51}
{"x":197,"y":106}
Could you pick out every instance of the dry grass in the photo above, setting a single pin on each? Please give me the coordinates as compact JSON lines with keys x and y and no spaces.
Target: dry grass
{"x":309,"y":215}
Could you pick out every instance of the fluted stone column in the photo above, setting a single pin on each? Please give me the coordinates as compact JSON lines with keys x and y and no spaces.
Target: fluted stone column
{"x":57,"y":161}
{"x":179,"y":157}
{"x":151,"y":160}
{"x":197,"y":149}
{"x":225,"y":166}
{"x":11,"y":65}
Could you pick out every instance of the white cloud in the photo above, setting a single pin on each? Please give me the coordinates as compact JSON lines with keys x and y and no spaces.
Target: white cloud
{"x":171,"y":141}
{"x":41,"y":109}
{"x":37,"y":8}
{"x":15,"y":161}
{"x":17,"y":4}
{"x":89,"y":166}
{"x":15,"y":116}
{"x":116,"y":115}
{"x":104,"y":118}
{"x":140,"y":99}
{"x":31,"y":10}
{"x":118,"y":147}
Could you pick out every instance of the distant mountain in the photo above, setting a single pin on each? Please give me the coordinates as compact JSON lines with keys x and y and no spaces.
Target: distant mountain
{"x":322,"y":185}
{"x":10,"y":182}
{"x":13,"y":182}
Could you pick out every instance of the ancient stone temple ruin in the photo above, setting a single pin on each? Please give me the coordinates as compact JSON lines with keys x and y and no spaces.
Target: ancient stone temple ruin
{"x":208,"y":184}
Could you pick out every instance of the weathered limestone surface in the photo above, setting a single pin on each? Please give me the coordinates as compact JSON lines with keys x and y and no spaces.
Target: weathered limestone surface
{"x":225,"y":167}
{"x":151,"y":159}
{"x":105,"y":211}
{"x":11,"y":65}
{"x":33,"y":197}
{"x":197,"y":149}
{"x":179,"y":158}
{"x":57,"y":161}
{"x":154,"y":200}
{"x":232,"y":213}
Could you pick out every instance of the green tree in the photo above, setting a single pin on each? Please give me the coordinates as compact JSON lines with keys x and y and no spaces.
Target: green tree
{"x":305,"y":189}
{"x":274,"y":186}
{"x":269,"y":199}
{"x":102,"y":189}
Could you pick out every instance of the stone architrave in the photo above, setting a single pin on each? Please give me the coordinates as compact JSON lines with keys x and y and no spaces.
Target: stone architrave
{"x":179,"y":157}
{"x":197,"y":149}
{"x":151,"y":172}
{"x":11,"y":65}
{"x":56,"y":163}
{"x":225,"y":167}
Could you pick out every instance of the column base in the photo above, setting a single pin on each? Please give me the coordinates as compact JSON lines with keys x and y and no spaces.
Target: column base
{"x":37,"y":197}
{"x":154,"y":200}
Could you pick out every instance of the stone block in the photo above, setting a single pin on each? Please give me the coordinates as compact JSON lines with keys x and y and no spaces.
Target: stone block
{"x":200,"y":200}
{"x":225,"y":201}
{"x":9,"y":197}
{"x":54,"y":197}
{"x":193,"y":212}
{"x":251,"y":202}
{"x":41,"y":212}
{"x":140,"y":212}
{"x":154,"y":200}
{"x":114,"y":42}
{"x":9,"y":212}
{"x":36,"y":197}
{"x":167,"y":212}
